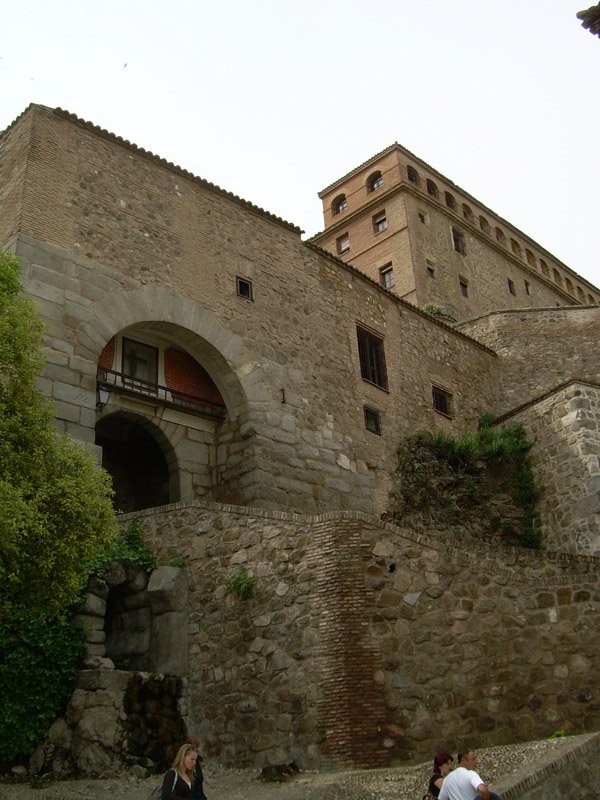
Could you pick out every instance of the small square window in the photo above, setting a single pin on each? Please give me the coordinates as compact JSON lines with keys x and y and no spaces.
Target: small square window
{"x":386,"y":276}
{"x":464,"y":286}
{"x":458,"y":241}
{"x":343,"y":244}
{"x":372,"y":420}
{"x":442,"y":401}
{"x":423,"y":217}
{"x":244,"y":288}
{"x":380,"y":222}
{"x":430,"y":268}
{"x":511,"y":287}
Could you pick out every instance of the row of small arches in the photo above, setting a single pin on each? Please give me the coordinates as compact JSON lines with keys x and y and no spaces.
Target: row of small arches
{"x":500,"y":236}
{"x":373,"y":182}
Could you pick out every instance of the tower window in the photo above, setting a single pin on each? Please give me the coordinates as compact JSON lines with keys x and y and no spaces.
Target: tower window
{"x":432,"y":189}
{"x":343,"y":243}
{"x":527,"y":288}
{"x":386,"y":276}
{"x":371,"y":357}
{"x":450,"y":201}
{"x":430,"y":268}
{"x":511,"y":287}
{"x":464,"y":286}
{"x":374,"y":182}
{"x":380,"y":222}
{"x":423,"y":217}
{"x":413,"y":175}
{"x":372,"y":420}
{"x":339,"y":204}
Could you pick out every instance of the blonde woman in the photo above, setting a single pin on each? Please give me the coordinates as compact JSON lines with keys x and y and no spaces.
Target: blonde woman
{"x":178,"y":781}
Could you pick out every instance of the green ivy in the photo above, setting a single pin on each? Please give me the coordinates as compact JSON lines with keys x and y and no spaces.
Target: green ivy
{"x":39,"y":659}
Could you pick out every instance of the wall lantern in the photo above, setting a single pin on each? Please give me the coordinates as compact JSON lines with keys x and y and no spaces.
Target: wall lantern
{"x":102,"y":395}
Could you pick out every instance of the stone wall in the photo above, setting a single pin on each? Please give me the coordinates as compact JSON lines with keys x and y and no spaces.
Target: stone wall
{"x":368,"y":644}
{"x":538,"y":349}
{"x":564,"y":426}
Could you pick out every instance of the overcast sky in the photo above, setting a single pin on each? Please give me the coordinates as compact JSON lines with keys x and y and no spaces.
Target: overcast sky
{"x":274,"y":100}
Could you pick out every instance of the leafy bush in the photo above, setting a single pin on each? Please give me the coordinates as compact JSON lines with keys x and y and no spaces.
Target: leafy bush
{"x":39,"y":658}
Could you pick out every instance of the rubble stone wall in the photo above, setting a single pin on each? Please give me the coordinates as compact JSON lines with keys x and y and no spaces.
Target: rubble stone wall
{"x":364,"y":642}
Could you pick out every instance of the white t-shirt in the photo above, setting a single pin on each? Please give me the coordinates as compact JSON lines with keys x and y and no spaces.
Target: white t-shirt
{"x":460,"y":784}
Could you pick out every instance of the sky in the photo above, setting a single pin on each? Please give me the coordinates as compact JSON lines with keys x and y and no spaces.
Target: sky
{"x":273,"y":100}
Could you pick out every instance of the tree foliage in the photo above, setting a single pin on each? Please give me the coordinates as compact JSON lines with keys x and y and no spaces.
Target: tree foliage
{"x":39,"y":657}
{"x":55,"y":508}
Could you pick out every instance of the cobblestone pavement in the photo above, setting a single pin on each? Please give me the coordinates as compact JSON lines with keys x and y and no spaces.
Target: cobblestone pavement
{"x":401,"y":783}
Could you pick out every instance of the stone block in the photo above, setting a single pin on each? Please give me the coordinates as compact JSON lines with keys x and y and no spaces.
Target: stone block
{"x":167,"y":590}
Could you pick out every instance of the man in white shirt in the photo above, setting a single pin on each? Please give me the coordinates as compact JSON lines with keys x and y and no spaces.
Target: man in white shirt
{"x":464,"y":783}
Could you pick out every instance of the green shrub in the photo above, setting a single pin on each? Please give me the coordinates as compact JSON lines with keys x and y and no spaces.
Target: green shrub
{"x":240,"y":584}
{"x":129,"y":546}
{"x":39,"y":658}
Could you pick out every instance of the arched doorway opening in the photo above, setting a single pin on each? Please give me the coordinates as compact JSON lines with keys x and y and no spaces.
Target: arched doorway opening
{"x":136,"y":462}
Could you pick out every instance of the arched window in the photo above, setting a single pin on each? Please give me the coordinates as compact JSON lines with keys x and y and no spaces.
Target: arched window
{"x":339,"y":204}
{"x":516,"y":248}
{"x":569,"y":286}
{"x":413,"y":175}
{"x":544,"y":267}
{"x":432,"y":189}
{"x":530,"y":258}
{"x":591,"y":300}
{"x":374,"y":181}
{"x":485,"y":226}
{"x":580,"y":294}
{"x":467,"y":212}
{"x":500,"y":237}
{"x":557,"y":277}
{"x":450,"y":201}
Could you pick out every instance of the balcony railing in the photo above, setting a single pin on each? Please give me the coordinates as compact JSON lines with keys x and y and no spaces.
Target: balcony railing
{"x":163,"y":395}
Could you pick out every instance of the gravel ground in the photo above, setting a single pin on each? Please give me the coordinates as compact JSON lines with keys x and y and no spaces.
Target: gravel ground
{"x":400,"y":783}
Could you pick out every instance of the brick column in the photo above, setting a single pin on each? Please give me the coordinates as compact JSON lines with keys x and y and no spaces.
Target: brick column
{"x":351,"y":708}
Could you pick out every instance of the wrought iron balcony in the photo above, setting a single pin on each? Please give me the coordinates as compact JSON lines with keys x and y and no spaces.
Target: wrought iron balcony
{"x":109,"y":380}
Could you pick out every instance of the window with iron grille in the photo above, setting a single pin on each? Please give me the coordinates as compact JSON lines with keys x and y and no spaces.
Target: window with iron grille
{"x":372,"y":357}
{"x":372,"y":420}
{"x":244,"y":288}
{"x":442,"y":401}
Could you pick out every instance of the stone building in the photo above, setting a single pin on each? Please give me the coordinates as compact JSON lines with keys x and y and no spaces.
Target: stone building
{"x":256,"y":386}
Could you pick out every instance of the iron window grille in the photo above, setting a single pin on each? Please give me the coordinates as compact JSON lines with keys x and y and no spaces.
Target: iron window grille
{"x":442,"y":401}
{"x":372,"y":420}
